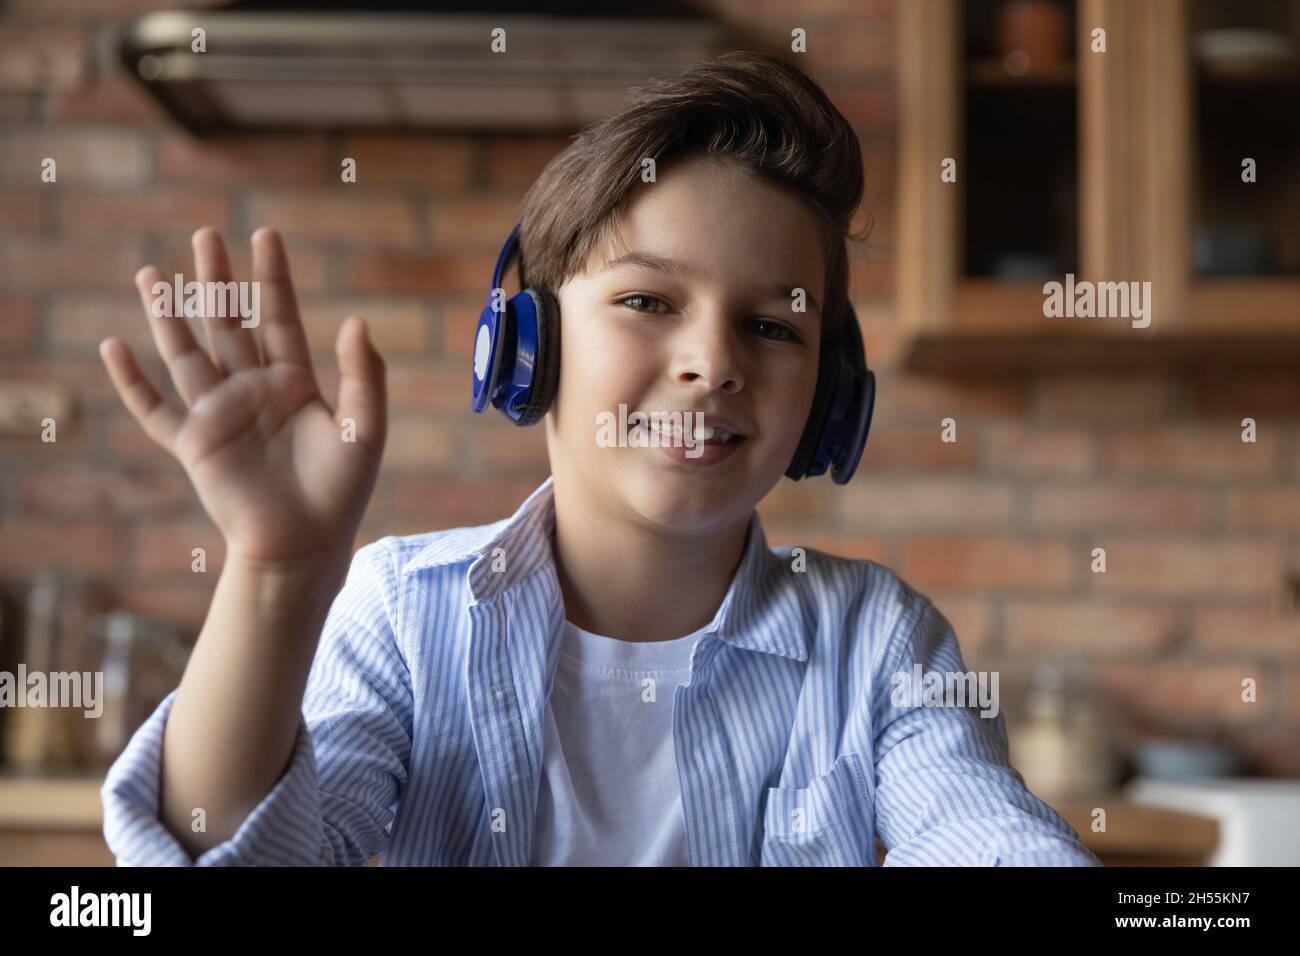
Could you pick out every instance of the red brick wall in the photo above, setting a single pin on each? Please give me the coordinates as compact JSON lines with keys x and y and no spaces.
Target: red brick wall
{"x":1200,"y":529}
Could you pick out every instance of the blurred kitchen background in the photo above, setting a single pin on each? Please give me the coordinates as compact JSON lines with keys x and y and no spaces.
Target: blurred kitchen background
{"x":1123,"y":690}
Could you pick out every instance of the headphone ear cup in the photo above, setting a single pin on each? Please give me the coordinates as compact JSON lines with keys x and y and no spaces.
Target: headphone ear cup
{"x":827,"y":376}
{"x":547,"y":373}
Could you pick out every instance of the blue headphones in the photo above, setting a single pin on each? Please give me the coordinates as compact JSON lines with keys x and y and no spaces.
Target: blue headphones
{"x":517,"y":368}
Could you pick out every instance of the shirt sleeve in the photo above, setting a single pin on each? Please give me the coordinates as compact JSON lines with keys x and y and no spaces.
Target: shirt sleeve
{"x":350,"y":757}
{"x":946,"y":793}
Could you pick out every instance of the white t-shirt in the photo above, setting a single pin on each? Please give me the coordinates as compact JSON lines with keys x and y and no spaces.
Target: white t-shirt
{"x":609,"y":792}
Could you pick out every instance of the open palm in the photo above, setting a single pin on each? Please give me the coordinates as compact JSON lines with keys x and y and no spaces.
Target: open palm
{"x":282,"y":476}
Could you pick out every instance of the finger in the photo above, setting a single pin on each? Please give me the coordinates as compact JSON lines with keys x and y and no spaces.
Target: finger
{"x":160,"y":419}
{"x":233,"y":347}
{"x":191,"y":370}
{"x":282,"y":331}
{"x":361,"y":383}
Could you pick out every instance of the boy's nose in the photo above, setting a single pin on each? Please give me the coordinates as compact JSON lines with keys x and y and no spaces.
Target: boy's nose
{"x":710,"y":357}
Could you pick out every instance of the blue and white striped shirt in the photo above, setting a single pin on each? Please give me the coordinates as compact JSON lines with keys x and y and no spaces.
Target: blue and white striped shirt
{"x":423,"y":721}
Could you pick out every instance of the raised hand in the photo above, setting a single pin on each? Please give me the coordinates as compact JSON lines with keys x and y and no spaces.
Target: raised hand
{"x":265,"y":452}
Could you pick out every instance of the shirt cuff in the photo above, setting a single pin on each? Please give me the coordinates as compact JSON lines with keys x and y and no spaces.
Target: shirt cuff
{"x":285,"y":829}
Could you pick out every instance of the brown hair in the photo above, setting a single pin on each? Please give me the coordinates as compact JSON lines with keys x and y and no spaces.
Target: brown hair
{"x":752,"y":109}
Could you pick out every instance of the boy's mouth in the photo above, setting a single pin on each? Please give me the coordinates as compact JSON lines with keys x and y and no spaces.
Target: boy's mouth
{"x":703,"y":434}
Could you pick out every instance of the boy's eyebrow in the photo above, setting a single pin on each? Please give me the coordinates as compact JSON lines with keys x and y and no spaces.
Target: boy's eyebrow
{"x":683,"y":270}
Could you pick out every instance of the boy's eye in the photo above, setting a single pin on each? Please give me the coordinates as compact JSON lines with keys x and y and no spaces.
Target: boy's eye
{"x":768,"y":328}
{"x":643,"y":297}
{"x":782,"y":332}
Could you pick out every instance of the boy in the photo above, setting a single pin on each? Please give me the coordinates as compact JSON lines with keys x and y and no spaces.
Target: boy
{"x":622,"y":672}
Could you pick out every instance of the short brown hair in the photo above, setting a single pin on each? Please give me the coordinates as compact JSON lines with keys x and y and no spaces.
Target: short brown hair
{"x":752,"y":109}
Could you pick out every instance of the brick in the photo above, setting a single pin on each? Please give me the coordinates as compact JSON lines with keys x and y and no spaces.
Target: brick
{"x":990,"y":561}
{"x":1270,"y":399}
{"x":915,"y":448}
{"x":1270,"y":508}
{"x":1116,"y":505}
{"x":1120,"y":398}
{"x":389,"y":161}
{"x":19,"y":108}
{"x":476,"y":220}
{"x":123,"y":441}
{"x":501,"y":444}
{"x":1015,"y":449}
{"x":309,"y":266}
{"x":517,"y":161}
{"x":971,"y":619}
{"x":867,"y":110}
{"x":79,"y":322}
{"x":458,"y":322}
{"x":1189,"y":451}
{"x":42,"y":59}
{"x":444,"y":501}
{"x":858,"y":547}
{"x":146,"y":212}
{"x":395,"y":328}
{"x":1087,"y":627}
{"x":1246,"y":630}
{"x":336,"y":214}
{"x":795,"y":501}
{"x":846,"y":45}
{"x":1191,"y":693}
{"x":1192,"y":569}
{"x":83,"y":376}
{"x":179,"y":603}
{"x":29,"y":545}
{"x":69,"y":264}
{"x":418,"y":442}
{"x":88,"y":491}
{"x":402,"y":273}
{"x":99,"y":158}
{"x":17,"y":324}
{"x":23,"y":211}
{"x":911,"y":400}
{"x":423,"y":387}
{"x":906,"y":503}
{"x":167,"y":549}
{"x":74,"y":443}
{"x":112,"y":100}
{"x":262,"y":160}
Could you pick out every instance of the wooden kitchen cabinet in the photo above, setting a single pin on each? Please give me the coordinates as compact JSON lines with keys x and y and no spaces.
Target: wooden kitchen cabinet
{"x":1115,"y":166}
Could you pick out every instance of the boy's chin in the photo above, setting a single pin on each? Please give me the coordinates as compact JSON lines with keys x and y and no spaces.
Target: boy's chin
{"x":685,"y":502}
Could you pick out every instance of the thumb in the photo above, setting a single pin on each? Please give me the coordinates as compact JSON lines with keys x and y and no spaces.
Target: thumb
{"x":362,"y":396}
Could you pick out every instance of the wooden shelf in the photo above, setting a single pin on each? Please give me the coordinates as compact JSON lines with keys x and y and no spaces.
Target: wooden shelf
{"x":1135,"y":202}
{"x":991,"y":73}
{"x":51,"y":803}
{"x":1142,"y":835}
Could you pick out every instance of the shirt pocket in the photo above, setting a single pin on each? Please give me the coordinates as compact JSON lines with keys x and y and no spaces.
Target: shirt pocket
{"x":827,"y":823}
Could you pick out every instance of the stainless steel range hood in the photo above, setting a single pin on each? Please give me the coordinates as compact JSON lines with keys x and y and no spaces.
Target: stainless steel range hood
{"x":411,"y":66}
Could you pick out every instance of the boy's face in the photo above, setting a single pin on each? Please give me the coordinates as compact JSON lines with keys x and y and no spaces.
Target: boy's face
{"x":723,"y":340}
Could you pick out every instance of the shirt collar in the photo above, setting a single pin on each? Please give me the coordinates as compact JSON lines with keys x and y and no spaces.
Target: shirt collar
{"x":760,"y":612}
